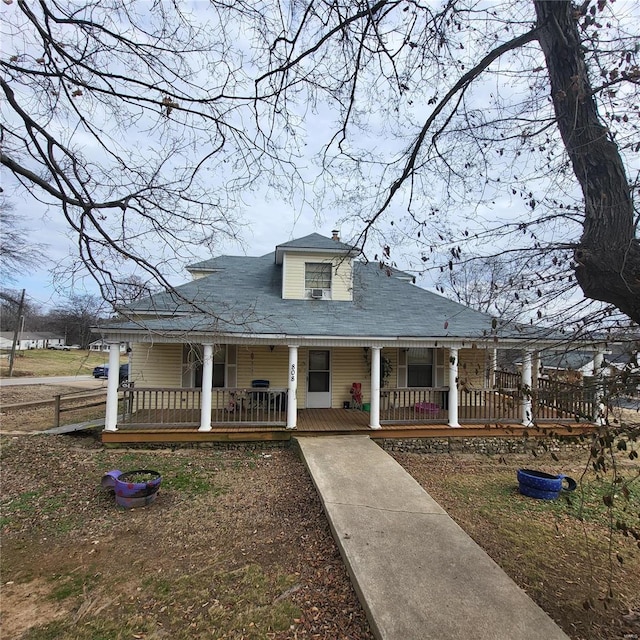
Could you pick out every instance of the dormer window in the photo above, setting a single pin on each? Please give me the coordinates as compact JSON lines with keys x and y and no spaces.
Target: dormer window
{"x":317,"y":280}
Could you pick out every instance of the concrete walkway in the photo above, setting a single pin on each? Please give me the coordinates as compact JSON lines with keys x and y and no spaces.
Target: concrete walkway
{"x":418,"y":575}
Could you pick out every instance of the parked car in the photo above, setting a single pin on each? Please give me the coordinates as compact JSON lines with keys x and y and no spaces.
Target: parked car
{"x":102,"y":371}
{"x":59,"y":347}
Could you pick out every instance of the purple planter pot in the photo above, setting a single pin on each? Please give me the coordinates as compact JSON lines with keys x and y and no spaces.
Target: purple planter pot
{"x":134,"y":503}
{"x":130,"y":494}
{"x":126,"y":488}
{"x":109,"y":478}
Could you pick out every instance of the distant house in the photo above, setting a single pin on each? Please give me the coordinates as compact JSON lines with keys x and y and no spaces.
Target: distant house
{"x":30,"y":340}
{"x":307,"y":332}
{"x":576,"y":363}
{"x":103,"y":345}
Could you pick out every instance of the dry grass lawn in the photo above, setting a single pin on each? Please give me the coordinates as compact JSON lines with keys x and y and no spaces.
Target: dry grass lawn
{"x":237,"y":546}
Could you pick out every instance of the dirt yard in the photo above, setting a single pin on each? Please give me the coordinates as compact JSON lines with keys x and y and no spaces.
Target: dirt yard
{"x":237,"y":546}
{"x":17,"y":420}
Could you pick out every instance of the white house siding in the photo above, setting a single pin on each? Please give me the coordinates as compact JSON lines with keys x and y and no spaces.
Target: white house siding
{"x":472,"y":372}
{"x":472,"y":367}
{"x":261,"y":363}
{"x":392,"y":356}
{"x":348,"y":366}
{"x":293,"y":275}
{"x":156,"y":365}
{"x":161,"y":365}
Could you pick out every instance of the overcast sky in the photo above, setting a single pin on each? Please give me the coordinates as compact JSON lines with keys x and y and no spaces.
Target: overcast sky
{"x":267,"y":220}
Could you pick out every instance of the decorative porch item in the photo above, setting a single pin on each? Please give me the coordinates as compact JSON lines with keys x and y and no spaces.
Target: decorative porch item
{"x":427,"y":407}
{"x":133,"y":489}
{"x":543,"y":486}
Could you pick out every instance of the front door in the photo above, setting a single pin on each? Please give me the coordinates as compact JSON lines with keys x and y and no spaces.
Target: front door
{"x":319,"y":382}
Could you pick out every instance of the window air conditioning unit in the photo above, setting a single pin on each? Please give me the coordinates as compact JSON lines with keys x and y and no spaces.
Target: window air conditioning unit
{"x":316,"y":294}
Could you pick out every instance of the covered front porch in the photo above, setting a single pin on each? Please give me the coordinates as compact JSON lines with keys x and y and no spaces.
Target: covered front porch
{"x":477,"y":399}
{"x":327,"y":422}
{"x":157,"y":414}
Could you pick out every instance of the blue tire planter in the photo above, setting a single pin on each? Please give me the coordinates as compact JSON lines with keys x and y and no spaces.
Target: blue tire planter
{"x":131,"y":493}
{"x":543,"y":486}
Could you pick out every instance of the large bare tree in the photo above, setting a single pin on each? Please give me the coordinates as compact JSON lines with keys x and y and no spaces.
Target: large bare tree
{"x":510,"y":127}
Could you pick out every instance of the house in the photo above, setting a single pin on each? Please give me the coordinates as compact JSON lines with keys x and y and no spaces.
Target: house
{"x":269,"y":340}
{"x":616,"y":368}
{"x":30,"y":340}
{"x":103,"y":345}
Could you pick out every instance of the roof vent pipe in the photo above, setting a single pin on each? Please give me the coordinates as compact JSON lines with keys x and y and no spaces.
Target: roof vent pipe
{"x":335,"y":235}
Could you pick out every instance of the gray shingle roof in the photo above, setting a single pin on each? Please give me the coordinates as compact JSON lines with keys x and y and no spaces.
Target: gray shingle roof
{"x":316,"y":241}
{"x":244,"y":296}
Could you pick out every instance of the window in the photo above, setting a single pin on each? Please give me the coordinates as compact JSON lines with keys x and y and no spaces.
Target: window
{"x":218,"y":367}
{"x":192,"y":366}
{"x":317,"y":276}
{"x":420,"y":368}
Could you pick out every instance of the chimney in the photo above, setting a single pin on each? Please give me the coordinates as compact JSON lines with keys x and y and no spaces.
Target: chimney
{"x":335,"y":235}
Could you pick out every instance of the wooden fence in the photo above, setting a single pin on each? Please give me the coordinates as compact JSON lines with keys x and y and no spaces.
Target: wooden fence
{"x":77,"y":402}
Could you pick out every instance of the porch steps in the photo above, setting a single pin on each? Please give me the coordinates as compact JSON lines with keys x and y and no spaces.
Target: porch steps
{"x":418,"y":575}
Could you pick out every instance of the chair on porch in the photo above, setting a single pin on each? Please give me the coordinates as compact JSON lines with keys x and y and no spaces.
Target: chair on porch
{"x":356,"y":395}
{"x":258,"y":397}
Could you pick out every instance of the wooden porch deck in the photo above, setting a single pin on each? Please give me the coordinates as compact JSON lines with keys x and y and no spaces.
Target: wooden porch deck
{"x":319,"y":422}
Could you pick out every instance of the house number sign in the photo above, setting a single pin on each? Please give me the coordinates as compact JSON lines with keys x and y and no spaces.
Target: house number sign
{"x":293,"y":373}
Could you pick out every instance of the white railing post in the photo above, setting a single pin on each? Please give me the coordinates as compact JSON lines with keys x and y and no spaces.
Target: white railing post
{"x":527,"y":416}
{"x":207,"y":384}
{"x":453,"y":387}
{"x":536,"y":365}
{"x":292,"y":395}
{"x":374,"y":414}
{"x":598,"y":376}
{"x":494,"y":368}
{"x":113,"y":380}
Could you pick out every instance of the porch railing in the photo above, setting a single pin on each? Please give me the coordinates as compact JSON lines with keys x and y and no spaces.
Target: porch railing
{"x":181,"y":407}
{"x":489,"y":405}
{"x":565,"y":402}
{"x":414,"y":404}
{"x":558,"y":402}
{"x":507,"y":380}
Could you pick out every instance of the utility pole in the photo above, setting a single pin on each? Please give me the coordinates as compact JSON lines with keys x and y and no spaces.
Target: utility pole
{"x":16,"y":333}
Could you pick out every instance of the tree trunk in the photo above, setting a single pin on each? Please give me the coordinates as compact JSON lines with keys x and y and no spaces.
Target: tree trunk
{"x":607,"y":256}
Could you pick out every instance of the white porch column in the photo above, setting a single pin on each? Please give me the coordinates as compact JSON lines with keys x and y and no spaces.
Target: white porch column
{"x":527,"y":416}
{"x":535,"y":369}
{"x":374,"y":414}
{"x":111,"y":414}
{"x":598,"y":363}
{"x":494,"y":368}
{"x":292,"y":400}
{"x":207,"y":384}
{"x":453,"y":387}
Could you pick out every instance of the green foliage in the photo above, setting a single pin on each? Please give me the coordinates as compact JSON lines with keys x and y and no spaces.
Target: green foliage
{"x":72,"y":585}
{"x":45,"y":362}
{"x":25,"y":502}
{"x":188,"y":482}
{"x":178,"y":473}
{"x":246,"y":601}
{"x":91,"y":629}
